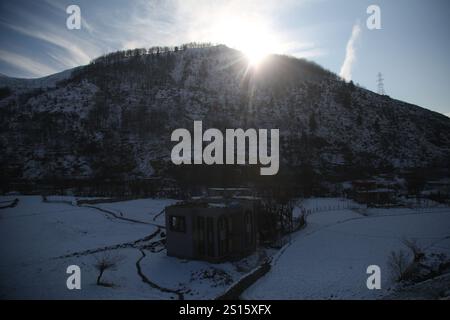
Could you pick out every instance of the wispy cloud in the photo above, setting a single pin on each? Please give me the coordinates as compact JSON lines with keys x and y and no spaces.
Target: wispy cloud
{"x":350,"y":53}
{"x":65,"y":48}
{"x":78,"y":54}
{"x":26,"y":64}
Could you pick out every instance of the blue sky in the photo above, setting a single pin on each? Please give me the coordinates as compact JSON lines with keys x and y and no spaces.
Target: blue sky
{"x":412,"y":49}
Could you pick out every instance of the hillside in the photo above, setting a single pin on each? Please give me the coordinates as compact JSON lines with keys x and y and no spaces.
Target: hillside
{"x":112,"y":119}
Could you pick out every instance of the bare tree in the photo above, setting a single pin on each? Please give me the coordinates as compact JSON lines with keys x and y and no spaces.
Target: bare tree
{"x":106,"y":263}
{"x":398,"y":263}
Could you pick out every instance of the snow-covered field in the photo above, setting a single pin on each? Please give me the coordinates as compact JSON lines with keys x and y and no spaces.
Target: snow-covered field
{"x":40,"y":240}
{"x":327,"y":259}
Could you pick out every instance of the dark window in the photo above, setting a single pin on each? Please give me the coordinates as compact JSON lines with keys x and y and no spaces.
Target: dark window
{"x":209,"y":237}
{"x":248,"y":221}
{"x":201,"y":235}
{"x":223,"y":233}
{"x":177,"y":224}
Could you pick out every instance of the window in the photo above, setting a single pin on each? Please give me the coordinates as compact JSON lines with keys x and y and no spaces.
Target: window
{"x":201,"y":236}
{"x":209,"y":237}
{"x":248,"y":221}
{"x":177,"y":224}
{"x":223,"y":228}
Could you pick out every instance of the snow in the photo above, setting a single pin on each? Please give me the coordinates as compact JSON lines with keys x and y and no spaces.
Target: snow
{"x":27,"y":83}
{"x":34,"y":230}
{"x":39,"y":240}
{"x":328,"y":259}
{"x":188,"y":275}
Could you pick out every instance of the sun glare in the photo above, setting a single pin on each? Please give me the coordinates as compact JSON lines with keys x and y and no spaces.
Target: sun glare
{"x":255,"y":50}
{"x":250,"y":36}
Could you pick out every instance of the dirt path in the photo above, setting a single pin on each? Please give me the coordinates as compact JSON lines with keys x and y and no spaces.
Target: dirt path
{"x":144,"y":278}
{"x":114,"y":215}
{"x":10,"y":204}
{"x":160,"y":213}
{"x":108,"y":212}
{"x":132,"y":244}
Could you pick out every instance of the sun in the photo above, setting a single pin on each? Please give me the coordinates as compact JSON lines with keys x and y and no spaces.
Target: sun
{"x":249,"y":35}
{"x":255,"y":58}
{"x":255,"y":50}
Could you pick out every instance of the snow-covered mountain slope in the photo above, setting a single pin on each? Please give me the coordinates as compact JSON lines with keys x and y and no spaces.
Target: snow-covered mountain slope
{"x":44,"y":82}
{"x":113,"y":118}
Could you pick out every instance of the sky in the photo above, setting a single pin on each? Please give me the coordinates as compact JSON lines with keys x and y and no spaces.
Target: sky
{"x":411,"y":49}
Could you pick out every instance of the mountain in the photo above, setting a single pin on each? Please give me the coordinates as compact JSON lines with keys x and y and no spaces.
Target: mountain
{"x":112,"y":120}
